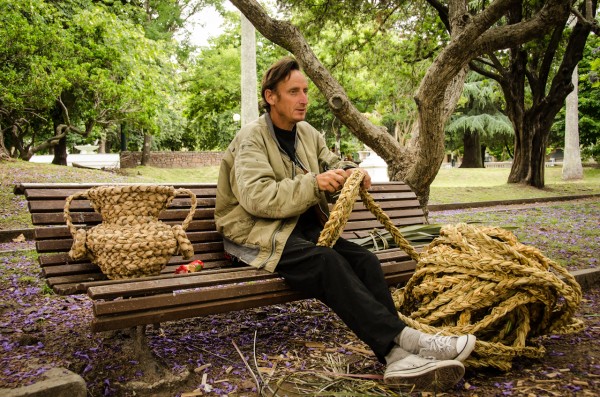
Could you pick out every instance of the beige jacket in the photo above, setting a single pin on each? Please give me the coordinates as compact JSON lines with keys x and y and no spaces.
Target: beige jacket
{"x":261,"y":193}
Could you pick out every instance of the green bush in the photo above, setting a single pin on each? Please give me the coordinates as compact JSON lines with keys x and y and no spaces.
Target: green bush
{"x":591,"y":151}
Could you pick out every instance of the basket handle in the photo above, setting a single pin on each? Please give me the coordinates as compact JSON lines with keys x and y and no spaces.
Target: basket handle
{"x":67,"y":214}
{"x":192,"y":212}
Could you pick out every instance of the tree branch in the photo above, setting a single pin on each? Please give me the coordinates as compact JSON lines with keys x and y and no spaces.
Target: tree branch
{"x":482,"y":71}
{"x":442,"y":11}
{"x":552,"y":13}
{"x":593,"y":24}
{"x":289,"y":37}
{"x":51,"y":142}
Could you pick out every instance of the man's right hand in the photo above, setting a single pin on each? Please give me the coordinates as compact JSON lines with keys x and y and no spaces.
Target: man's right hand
{"x":332,"y":180}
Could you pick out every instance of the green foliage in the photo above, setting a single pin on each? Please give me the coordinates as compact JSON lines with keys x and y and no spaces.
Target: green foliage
{"x":30,"y":51}
{"x":479,"y":111}
{"x":592,"y":151}
{"x":375,"y":51}
{"x":215,"y":97}
{"x":97,"y":62}
{"x":213,"y":87}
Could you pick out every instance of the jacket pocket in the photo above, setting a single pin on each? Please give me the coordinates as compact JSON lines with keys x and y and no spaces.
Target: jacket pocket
{"x":238,"y":226}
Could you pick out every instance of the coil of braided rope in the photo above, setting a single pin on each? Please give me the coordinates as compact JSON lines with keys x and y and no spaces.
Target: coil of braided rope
{"x":478,"y":280}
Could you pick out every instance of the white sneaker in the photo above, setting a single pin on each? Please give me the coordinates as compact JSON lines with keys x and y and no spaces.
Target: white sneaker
{"x":439,"y":347}
{"x":423,"y":373}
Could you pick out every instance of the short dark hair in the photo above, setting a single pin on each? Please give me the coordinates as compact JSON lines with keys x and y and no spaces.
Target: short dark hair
{"x":279,"y":71}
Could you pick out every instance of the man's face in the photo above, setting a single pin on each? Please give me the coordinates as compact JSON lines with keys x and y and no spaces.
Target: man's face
{"x":289,"y":100}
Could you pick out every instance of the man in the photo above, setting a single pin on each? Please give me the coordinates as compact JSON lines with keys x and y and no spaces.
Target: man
{"x":271,"y":204}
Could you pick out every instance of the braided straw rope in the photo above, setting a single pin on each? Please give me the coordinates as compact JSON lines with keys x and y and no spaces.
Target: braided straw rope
{"x":477,"y":280}
{"x":130,"y":242}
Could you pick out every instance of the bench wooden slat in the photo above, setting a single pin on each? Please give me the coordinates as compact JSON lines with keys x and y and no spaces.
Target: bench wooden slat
{"x":49,"y":260}
{"x":220,"y":287}
{"x":186,"y":297}
{"x":174,"y":283}
{"x":107,"y":323}
{"x":33,"y":191}
{"x":84,"y":206}
{"x":205,"y":292}
{"x":211,"y":260}
{"x":69,"y":284}
{"x":72,"y":283}
{"x":162,"y":314}
{"x":64,"y":242}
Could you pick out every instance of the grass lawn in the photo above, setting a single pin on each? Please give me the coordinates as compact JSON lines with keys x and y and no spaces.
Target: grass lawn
{"x":458,"y":185}
{"x":453,"y":185}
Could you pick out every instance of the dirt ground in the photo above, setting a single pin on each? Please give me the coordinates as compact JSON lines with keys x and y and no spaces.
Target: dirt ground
{"x":294,"y":349}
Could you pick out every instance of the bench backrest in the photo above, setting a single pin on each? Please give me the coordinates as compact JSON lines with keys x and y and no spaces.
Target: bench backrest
{"x":66,"y":276}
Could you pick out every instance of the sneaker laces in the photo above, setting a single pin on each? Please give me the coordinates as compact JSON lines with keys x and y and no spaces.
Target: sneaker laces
{"x":438,"y":343}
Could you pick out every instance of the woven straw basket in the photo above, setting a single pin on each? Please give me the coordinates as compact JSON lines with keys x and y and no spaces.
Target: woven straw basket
{"x":130,"y":242}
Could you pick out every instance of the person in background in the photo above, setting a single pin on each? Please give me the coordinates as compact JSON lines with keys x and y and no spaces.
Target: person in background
{"x":271,"y":206}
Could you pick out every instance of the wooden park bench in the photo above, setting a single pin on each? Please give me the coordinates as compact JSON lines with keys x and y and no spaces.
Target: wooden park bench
{"x":220,"y":287}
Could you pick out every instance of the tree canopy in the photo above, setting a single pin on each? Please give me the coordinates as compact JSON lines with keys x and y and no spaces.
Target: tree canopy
{"x":387,"y":74}
{"x":75,"y":66}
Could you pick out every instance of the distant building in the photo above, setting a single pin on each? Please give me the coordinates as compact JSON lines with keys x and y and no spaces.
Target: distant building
{"x":557,"y":154}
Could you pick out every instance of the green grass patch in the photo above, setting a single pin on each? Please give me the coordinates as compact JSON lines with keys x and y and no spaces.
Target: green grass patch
{"x":458,"y":185}
{"x":453,"y":185}
{"x":173,"y":175}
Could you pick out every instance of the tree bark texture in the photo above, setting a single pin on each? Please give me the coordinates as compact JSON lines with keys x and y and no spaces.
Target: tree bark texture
{"x":146,"y":149}
{"x":4,"y":154}
{"x":572,"y":168}
{"x":60,"y":148}
{"x":249,"y":91}
{"x":472,"y":153}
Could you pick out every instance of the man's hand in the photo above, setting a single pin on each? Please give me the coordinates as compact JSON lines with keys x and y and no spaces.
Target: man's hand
{"x":332,"y":180}
{"x":366,"y":182}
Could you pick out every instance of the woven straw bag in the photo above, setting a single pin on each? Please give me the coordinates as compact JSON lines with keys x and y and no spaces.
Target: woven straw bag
{"x":130,"y":242}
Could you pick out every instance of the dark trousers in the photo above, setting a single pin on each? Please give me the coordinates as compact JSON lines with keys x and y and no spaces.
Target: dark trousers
{"x":347,"y":278}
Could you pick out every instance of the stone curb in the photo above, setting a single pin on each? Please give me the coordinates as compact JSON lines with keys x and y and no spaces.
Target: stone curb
{"x":57,"y":382}
{"x":7,"y":236}
{"x":478,"y":204}
{"x":588,"y":279}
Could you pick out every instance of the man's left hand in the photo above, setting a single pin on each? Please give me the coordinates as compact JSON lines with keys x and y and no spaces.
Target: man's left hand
{"x":366,"y":182}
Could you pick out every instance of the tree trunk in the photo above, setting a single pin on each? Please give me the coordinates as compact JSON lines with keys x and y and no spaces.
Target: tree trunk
{"x":60,"y":152}
{"x":482,"y":153}
{"x":123,"y":135}
{"x":249,"y":90}
{"x":102,"y":144}
{"x":58,"y":119}
{"x":572,"y":168}
{"x":472,"y":147}
{"x":60,"y":149}
{"x":530,"y":155}
{"x":4,"y":154}
{"x":146,"y":149}
{"x":537,"y":168}
{"x":532,"y":126}
{"x":471,"y":36}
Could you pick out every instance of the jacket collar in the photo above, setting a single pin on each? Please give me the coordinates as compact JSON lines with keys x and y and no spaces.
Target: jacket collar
{"x":269,"y":123}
